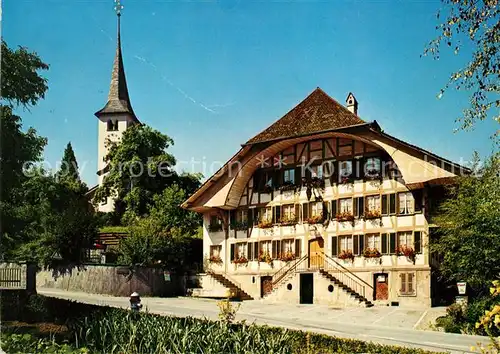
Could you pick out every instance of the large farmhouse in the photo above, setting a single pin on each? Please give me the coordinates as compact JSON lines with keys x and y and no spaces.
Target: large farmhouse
{"x":322,"y":207}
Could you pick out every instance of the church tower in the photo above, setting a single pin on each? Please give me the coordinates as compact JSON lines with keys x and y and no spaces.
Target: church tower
{"x":117,"y":115}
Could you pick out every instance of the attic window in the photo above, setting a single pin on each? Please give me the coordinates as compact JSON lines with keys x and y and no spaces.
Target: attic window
{"x":112,"y":125}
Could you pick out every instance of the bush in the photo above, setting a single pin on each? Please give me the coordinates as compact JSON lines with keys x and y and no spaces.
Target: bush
{"x":26,"y":343}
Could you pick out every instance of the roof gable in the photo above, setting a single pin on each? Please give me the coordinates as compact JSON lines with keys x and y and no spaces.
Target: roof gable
{"x":318,"y":112}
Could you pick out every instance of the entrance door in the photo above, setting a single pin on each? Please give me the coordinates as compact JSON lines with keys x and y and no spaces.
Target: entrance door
{"x":266,"y":285}
{"x":306,"y":288}
{"x":381,"y":286}
{"x":316,"y":253}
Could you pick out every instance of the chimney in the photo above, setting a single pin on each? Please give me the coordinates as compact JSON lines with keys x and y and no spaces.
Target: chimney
{"x":352,"y":103}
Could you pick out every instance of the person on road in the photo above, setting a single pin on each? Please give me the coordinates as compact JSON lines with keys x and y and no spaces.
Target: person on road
{"x":135,"y":302}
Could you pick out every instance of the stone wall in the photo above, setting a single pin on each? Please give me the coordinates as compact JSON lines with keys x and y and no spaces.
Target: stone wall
{"x":112,"y":280}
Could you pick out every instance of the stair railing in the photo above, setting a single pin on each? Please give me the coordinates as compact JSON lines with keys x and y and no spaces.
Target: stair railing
{"x":287,"y":269}
{"x":345,"y":276}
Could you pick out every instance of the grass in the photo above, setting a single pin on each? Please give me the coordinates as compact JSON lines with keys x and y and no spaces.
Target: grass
{"x":114,"y":229}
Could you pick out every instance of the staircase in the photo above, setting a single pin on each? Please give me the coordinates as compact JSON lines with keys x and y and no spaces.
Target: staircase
{"x":235,"y":289}
{"x":346,"y":288}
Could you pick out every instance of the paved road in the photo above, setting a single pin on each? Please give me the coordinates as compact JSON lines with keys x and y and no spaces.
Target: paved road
{"x":386,"y":325}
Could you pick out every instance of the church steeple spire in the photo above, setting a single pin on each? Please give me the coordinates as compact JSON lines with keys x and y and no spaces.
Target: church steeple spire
{"x":118,"y":98}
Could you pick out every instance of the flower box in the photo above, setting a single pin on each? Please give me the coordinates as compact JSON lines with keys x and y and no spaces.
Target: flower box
{"x":316,"y":219}
{"x":346,"y":255}
{"x":239,"y":226}
{"x":372,"y":253}
{"x":265,"y":224}
{"x":287,"y":186}
{"x":265,"y":257}
{"x":215,"y":227}
{"x":288,"y":221}
{"x":215,"y":259}
{"x":346,"y":179}
{"x":287,"y":256}
{"x":240,"y":260}
{"x":344,"y":216}
{"x":372,"y":174}
{"x":372,"y":214}
{"x":407,"y":252}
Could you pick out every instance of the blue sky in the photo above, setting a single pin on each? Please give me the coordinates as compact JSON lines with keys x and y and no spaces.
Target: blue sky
{"x":213,"y":74}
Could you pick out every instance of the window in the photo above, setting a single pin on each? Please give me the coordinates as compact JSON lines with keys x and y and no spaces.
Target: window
{"x":241,"y":250}
{"x":317,"y":171}
{"x":372,"y":167}
{"x":265,"y":248}
{"x":345,"y":243}
{"x":405,"y":203}
{"x":407,"y":284}
{"x":372,"y":207}
{"x":241,"y":216}
{"x":288,"y":213}
{"x":289,"y":176}
{"x":268,"y":180}
{"x":373,"y":241}
{"x":266,"y":214}
{"x":110,"y":125}
{"x":345,"y":205}
{"x":316,"y":209}
{"x":215,"y":224}
{"x":405,"y":239}
{"x":215,"y":251}
{"x":345,"y":168}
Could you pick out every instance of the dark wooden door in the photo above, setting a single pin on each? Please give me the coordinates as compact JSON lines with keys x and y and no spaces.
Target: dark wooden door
{"x":266,"y":285}
{"x":381,"y":286}
{"x":306,"y":288}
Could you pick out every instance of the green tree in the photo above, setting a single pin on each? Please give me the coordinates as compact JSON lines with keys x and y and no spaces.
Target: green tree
{"x":21,"y":80}
{"x":69,"y":165}
{"x":168,"y":214}
{"x":478,"y":23}
{"x":469,"y":224}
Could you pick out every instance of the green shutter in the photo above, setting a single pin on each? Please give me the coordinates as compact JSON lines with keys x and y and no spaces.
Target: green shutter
{"x":361,"y":244}
{"x":355,"y":244}
{"x":334,"y":209}
{"x":383,"y":240}
{"x":334,"y":246}
{"x":392,"y":243}
{"x":385,"y":206}
{"x":231,"y":255}
{"x":417,"y":196}
{"x":392,"y":203}
{"x":305,"y":211}
{"x":417,"y":239}
{"x":298,"y":250}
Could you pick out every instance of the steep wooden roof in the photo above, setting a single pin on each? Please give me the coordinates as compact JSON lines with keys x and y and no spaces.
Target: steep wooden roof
{"x":118,"y":97}
{"x":318,"y":112}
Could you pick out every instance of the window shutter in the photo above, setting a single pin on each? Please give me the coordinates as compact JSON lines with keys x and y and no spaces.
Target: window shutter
{"x":335,"y":173}
{"x":362,"y":168}
{"x":383,"y":239}
{"x":417,"y":196}
{"x":417,"y":238}
{"x":392,"y":243}
{"x":385,"y":206}
{"x":277,"y":178}
{"x":325,"y":211}
{"x":392,"y":203}
{"x":298,"y":251}
{"x":250,"y":217}
{"x":250,"y":250}
{"x":273,"y":249}
{"x":256,"y":250}
{"x":305,"y":211}
{"x":298,"y":175}
{"x":297,"y":212}
{"x":232,"y":217}
{"x":231,"y":255}
{"x":361,"y":206}
{"x":355,"y":207}
{"x":402,"y":290}
{"x":409,"y":283}
{"x":334,"y":209}
{"x":361,"y":244}
{"x":355,"y":245}
{"x":257,"y":177}
{"x":308,"y":173}
{"x":277,"y":214}
{"x":334,"y":246}
{"x":278,"y":249}
{"x":355,"y":168}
